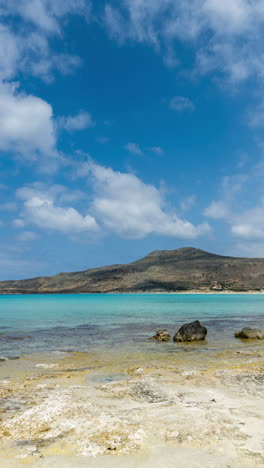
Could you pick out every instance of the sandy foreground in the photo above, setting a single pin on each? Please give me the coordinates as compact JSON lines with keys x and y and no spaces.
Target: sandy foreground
{"x":91,"y":409}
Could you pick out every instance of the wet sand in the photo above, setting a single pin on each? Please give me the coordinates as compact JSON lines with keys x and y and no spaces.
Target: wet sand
{"x":134,"y":409}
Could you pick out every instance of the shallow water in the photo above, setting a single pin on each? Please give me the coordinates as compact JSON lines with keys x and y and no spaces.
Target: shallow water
{"x":89,"y":388}
{"x":93,"y":322}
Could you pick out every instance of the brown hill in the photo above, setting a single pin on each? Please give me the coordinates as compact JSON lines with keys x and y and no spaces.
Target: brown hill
{"x":163,"y":270}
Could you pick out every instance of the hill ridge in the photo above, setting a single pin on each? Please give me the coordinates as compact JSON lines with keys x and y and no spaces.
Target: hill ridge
{"x":181,"y":269}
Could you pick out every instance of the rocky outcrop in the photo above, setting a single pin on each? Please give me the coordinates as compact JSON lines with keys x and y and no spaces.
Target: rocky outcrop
{"x":193,"y":331}
{"x":162,"y":335}
{"x":250,"y":334}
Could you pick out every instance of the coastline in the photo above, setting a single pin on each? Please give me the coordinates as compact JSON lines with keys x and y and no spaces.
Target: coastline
{"x":187,"y":292}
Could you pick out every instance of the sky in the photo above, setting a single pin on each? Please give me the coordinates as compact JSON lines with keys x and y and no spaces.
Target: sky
{"x":128,"y":126}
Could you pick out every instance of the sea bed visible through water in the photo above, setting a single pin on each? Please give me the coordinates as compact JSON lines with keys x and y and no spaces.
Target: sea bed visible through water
{"x":90,"y":389}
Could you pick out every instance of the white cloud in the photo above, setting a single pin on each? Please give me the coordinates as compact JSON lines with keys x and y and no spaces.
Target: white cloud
{"x":45,"y":14}
{"x":187,"y":203}
{"x":217,"y":210}
{"x":181,"y":103}
{"x":225,"y":36}
{"x":134,"y":148}
{"x":41,"y":209}
{"x":27,"y":236}
{"x":157,"y":150}
{"x":229,"y":189}
{"x":244,"y":217}
{"x":126,"y":205}
{"x":79,"y":121}
{"x":25,"y":37}
{"x":9,"y":53}
{"x":26,"y":123}
{"x":19,"y":223}
{"x":250,"y":223}
{"x":256,"y":116}
{"x":119,"y":202}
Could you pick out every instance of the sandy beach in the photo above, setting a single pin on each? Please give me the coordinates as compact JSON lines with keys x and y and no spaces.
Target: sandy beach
{"x":101,"y":409}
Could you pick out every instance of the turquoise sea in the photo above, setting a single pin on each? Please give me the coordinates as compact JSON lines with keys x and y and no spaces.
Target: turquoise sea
{"x":41,"y":323}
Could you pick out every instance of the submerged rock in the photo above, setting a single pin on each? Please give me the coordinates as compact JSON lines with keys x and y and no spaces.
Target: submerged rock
{"x":162,"y":335}
{"x":193,"y":331}
{"x":18,"y":338}
{"x":250,"y":334}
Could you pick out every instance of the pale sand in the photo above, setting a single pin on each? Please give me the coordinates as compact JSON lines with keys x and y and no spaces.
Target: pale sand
{"x":171,"y":411}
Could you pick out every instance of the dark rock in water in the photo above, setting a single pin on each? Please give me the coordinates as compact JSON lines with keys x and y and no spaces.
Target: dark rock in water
{"x":250,"y":334}
{"x":161,"y":335}
{"x":191,"y":332}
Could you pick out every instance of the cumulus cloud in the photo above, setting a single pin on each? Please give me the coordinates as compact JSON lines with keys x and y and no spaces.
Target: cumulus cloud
{"x":26,"y":123}
{"x":45,"y":14}
{"x":250,"y":223}
{"x":244,"y":217}
{"x":41,"y":208}
{"x":217,"y":210}
{"x":124,"y":204}
{"x":134,"y":148}
{"x":181,"y":103}
{"x":26,"y":30}
{"x":9,"y":53}
{"x":226,"y":36}
{"x":79,"y":121}
{"x":230,"y":187}
{"x":25,"y":37}
{"x":118,"y":202}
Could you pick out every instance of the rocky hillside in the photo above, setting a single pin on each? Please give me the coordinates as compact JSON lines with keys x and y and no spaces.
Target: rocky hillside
{"x":163,"y":270}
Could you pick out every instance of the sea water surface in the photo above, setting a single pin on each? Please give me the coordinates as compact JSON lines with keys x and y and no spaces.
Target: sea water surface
{"x":88,"y":322}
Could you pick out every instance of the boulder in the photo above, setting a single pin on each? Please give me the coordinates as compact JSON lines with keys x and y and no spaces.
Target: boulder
{"x":250,"y":334}
{"x":193,"y":331}
{"x":161,"y":335}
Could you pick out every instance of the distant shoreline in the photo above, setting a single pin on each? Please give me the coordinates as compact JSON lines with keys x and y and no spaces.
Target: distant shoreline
{"x":189,"y":292}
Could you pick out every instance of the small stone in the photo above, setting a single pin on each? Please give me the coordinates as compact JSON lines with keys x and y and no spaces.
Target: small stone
{"x":162,"y":335}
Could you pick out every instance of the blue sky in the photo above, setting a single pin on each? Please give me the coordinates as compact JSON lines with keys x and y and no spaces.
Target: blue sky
{"x":129,"y":126}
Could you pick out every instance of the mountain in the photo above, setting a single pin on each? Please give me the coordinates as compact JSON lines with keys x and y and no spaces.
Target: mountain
{"x":163,"y":270}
